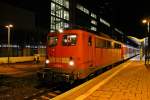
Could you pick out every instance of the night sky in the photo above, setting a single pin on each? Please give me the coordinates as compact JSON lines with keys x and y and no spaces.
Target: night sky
{"x":129,"y":15}
{"x":126,"y":15}
{"x":30,"y":20}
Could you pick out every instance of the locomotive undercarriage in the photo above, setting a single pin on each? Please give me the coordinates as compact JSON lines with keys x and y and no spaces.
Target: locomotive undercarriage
{"x":48,"y":74}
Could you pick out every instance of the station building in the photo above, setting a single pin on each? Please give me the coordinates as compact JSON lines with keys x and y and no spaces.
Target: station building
{"x":71,"y":13}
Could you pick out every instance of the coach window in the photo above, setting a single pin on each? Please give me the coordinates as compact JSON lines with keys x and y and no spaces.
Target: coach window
{"x":108,"y":44}
{"x":52,"y":41}
{"x":69,"y":40}
{"x":90,"y":41}
{"x":117,"y":46}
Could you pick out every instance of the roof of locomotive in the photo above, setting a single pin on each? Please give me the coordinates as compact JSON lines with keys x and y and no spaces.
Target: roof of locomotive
{"x":101,"y":35}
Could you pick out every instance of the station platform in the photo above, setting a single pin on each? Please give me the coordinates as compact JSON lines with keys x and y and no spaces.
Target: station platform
{"x":127,"y":81}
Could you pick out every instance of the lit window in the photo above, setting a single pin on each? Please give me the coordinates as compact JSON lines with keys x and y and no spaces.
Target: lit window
{"x":62,"y":15}
{"x":59,"y":2}
{"x":66,"y":25}
{"x":94,"y":22}
{"x":93,"y":28}
{"x":86,"y":11}
{"x":66,"y":3}
{"x":80,"y":7}
{"x":52,"y":8}
{"x":66,"y":15}
{"x":58,"y":11}
{"x":104,"y":22}
{"x":93,"y":15}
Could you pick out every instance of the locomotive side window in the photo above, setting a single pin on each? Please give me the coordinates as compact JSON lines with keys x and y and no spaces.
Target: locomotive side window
{"x":52,"y":41}
{"x":108,"y":44}
{"x":117,"y":46}
{"x":100,"y":43}
{"x":69,"y":40}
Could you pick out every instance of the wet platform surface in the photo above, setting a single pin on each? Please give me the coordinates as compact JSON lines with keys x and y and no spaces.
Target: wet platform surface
{"x":128,"y":81}
{"x":132,"y":83}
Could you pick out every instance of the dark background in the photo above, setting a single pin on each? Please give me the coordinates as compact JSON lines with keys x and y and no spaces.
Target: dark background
{"x":126,"y":15}
{"x":29,"y":18}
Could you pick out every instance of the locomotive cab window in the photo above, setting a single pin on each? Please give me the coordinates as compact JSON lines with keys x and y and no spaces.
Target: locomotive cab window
{"x":52,"y":41}
{"x":69,"y":40}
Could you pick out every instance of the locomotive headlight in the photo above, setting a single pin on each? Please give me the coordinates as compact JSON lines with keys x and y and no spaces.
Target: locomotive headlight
{"x":71,"y":63}
{"x":47,"y":61}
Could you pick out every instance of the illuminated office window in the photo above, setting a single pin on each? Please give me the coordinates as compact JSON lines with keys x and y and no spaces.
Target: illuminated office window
{"x":66,"y":3}
{"x":58,"y":11}
{"x":58,"y":1}
{"x":66,"y":15}
{"x":93,"y":15}
{"x":93,"y":28}
{"x":58,"y":23}
{"x":94,"y":22}
{"x":82,"y":9}
{"x":66,"y":25}
{"x":86,"y":11}
{"x":52,"y":22}
{"x":52,"y":8}
{"x":104,"y":22}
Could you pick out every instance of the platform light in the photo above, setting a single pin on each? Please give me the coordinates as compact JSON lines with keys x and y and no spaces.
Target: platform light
{"x":144,"y":21}
{"x":8,"y":27}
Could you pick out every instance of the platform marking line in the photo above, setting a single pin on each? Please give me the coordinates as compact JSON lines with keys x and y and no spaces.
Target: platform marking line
{"x":90,"y":91}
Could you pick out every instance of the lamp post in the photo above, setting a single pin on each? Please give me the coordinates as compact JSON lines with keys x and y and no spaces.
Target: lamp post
{"x":147,"y":48}
{"x":148,"y":22}
{"x":8,"y":27}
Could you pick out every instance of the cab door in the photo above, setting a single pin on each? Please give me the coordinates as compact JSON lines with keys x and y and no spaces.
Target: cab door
{"x":91,"y":52}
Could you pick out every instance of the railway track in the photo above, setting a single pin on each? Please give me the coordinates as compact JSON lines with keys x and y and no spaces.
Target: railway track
{"x":45,"y":94}
{"x":48,"y":95}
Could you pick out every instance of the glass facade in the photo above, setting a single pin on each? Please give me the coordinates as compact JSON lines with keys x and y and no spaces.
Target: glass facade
{"x":92,"y":16}
{"x":80,"y":7}
{"x":59,"y":14}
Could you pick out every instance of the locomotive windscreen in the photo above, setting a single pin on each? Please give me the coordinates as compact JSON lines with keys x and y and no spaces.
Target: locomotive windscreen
{"x":52,"y":41}
{"x":69,"y":40}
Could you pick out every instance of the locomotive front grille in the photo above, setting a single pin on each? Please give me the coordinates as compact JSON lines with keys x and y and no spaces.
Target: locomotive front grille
{"x":59,"y":59}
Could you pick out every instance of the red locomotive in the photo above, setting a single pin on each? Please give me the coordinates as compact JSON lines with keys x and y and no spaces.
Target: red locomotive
{"x":75,"y":54}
